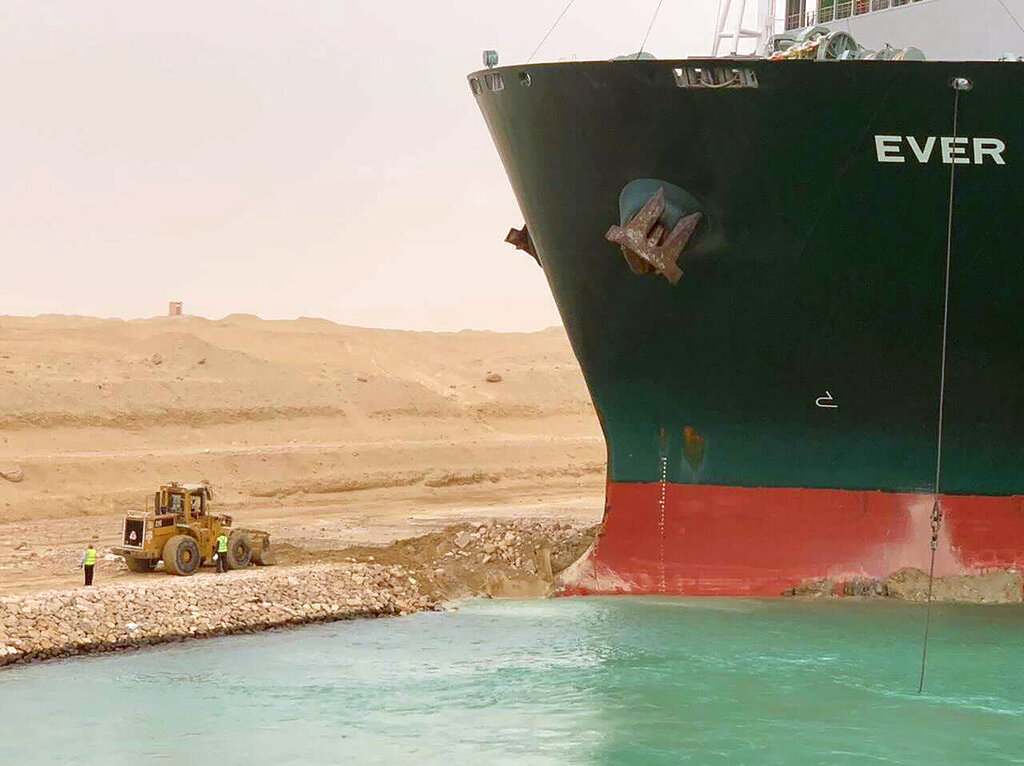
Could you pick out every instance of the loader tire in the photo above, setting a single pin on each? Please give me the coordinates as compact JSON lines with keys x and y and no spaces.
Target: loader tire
{"x":140,"y":565}
{"x":181,"y":555}
{"x":239,"y":550}
{"x":263,"y":555}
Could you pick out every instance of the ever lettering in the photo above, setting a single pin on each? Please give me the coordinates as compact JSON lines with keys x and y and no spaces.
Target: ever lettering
{"x":952,"y":151}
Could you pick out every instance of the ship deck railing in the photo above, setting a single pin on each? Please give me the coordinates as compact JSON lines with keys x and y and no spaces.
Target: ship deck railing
{"x":842,"y":9}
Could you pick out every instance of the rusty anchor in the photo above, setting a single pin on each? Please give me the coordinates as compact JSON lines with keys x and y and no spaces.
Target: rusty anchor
{"x":520,"y":240}
{"x":644,"y":241}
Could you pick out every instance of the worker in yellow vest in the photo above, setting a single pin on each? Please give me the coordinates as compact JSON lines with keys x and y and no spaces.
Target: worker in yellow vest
{"x":88,"y":563}
{"x":222,"y":554}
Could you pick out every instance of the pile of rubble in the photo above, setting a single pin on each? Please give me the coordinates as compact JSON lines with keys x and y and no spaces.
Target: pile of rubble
{"x":532,"y":546}
{"x":497,"y":558}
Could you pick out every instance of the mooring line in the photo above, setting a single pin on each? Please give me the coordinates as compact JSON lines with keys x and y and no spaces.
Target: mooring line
{"x":1010,"y":14}
{"x":649,"y":28}
{"x":958,"y":84}
{"x":550,"y":30}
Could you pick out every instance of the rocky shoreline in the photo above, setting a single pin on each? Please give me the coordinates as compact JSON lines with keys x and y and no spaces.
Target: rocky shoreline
{"x":494,"y":558}
{"x":498,"y":558}
{"x":52,"y":624}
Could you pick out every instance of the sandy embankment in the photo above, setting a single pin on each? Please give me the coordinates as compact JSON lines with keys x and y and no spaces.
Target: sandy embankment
{"x":327,"y":436}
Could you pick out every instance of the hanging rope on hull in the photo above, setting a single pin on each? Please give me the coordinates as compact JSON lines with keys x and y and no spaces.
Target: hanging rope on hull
{"x":959,"y":85}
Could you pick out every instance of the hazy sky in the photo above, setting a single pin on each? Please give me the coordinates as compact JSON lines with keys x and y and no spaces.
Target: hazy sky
{"x":283,"y":158}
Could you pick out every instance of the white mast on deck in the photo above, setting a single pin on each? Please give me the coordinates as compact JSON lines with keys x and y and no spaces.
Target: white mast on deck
{"x":730,"y":25}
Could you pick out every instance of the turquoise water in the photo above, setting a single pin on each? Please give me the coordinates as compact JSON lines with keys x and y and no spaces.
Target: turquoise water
{"x":569,"y":681}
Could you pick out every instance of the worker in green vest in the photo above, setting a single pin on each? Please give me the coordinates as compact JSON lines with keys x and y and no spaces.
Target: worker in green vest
{"x":222,"y":554}
{"x":88,"y":563}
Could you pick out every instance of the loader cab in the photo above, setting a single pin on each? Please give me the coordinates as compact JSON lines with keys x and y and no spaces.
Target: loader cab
{"x":184,"y":501}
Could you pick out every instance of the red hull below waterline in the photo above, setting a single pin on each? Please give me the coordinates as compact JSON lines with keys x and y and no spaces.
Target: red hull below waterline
{"x":733,"y":541}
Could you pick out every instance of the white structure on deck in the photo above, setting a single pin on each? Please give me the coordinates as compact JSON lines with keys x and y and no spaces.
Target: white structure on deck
{"x":946,"y":30}
{"x":731,"y":29}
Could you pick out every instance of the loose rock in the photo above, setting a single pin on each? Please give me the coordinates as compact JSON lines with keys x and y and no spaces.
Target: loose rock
{"x":13,"y":473}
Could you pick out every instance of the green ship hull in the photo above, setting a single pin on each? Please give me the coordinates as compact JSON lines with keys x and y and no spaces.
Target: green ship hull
{"x":794,"y":372}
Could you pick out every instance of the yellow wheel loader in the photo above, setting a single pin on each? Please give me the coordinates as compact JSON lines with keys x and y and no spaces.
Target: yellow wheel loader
{"x":182,"y":530}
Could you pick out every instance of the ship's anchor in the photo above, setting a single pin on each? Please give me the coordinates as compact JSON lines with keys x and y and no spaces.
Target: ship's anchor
{"x":520,"y":239}
{"x":646,"y":245}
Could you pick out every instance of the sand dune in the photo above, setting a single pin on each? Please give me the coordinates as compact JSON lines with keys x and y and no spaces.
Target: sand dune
{"x":191,"y":371}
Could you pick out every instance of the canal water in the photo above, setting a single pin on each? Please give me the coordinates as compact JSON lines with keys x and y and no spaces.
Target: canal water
{"x":567,"y":681}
